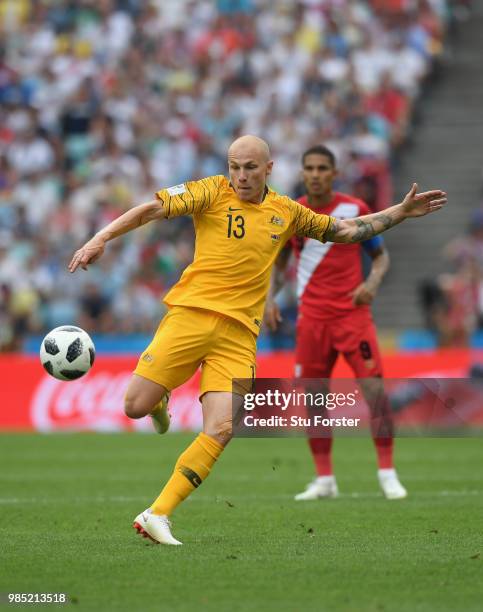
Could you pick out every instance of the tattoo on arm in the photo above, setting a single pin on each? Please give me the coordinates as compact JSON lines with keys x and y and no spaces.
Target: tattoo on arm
{"x":366,"y":229}
{"x":332,"y":231}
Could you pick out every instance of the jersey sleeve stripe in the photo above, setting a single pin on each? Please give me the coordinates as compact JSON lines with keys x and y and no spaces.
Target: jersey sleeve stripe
{"x":188,"y":188}
{"x":307,"y":223}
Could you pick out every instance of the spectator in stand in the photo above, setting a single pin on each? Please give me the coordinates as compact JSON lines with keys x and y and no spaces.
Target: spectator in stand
{"x":453,"y":302}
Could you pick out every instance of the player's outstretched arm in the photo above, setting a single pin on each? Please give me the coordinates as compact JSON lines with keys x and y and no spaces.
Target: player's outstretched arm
{"x":362,"y":228}
{"x":131,"y":219}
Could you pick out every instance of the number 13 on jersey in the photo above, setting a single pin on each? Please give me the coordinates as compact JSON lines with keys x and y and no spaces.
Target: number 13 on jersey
{"x":236,"y":226}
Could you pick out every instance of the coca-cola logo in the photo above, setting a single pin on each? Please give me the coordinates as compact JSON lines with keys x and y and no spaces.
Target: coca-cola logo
{"x":96,"y":403}
{"x":93,"y":403}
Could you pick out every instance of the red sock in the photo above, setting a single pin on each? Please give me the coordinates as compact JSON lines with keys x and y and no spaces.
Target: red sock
{"x":322,"y":453}
{"x":384,"y":450}
{"x":382,"y":429}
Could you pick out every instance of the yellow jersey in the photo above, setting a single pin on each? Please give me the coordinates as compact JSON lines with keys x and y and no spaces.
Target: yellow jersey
{"x":236,"y":245}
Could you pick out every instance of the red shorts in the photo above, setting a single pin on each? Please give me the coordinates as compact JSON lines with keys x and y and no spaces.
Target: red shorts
{"x":320,"y":342}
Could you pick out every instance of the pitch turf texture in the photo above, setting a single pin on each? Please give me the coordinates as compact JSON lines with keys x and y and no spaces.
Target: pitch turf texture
{"x":67,"y":504}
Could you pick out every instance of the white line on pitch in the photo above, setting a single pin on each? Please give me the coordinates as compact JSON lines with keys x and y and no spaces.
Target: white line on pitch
{"x":218,"y":498}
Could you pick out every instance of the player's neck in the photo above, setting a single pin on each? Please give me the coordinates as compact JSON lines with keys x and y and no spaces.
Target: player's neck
{"x":262,"y":195}
{"x":319,"y":201}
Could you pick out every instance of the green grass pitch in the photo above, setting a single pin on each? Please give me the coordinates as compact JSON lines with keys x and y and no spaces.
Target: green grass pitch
{"x":67,"y":504}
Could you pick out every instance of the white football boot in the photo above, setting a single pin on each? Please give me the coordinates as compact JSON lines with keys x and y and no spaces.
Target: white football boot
{"x":390,"y":485}
{"x":154,"y":527}
{"x":160,"y":416}
{"x":322,"y":486}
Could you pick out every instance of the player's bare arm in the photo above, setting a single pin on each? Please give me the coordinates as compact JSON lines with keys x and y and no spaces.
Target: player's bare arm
{"x":366,"y":291}
{"x":131,"y":219}
{"x":362,"y":228}
{"x":272,"y":316}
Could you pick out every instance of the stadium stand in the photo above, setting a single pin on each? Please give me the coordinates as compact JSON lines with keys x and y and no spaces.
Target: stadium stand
{"x":104,"y":101}
{"x":445,"y":149}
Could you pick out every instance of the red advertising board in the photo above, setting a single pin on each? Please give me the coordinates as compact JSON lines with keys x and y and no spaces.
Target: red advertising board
{"x":30,"y":399}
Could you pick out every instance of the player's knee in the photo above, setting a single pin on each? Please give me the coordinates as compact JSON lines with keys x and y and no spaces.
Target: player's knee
{"x":135,"y":407}
{"x":221,"y":431}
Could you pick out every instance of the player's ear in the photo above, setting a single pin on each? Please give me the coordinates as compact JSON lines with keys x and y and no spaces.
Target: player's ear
{"x":269,"y":167}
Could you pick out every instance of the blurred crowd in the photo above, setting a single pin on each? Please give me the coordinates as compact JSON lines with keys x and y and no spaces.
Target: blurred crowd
{"x":453,"y":300}
{"x":105,"y":101}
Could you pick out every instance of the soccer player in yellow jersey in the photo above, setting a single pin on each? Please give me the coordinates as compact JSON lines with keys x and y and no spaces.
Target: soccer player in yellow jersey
{"x":216,"y":308}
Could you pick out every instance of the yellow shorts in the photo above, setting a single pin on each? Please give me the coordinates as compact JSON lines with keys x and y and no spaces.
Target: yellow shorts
{"x":191,"y":337}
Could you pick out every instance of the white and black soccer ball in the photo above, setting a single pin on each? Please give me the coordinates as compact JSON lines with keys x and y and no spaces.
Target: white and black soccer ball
{"x":67,"y":352}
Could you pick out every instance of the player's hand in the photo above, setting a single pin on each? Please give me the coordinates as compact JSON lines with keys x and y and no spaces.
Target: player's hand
{"x":420,"y":204}
{"x":272,"y":316}
{"x":362,"y":295}
{"x":87,"y":254}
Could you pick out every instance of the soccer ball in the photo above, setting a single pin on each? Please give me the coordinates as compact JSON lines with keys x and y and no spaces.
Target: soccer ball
{"x":67,"y":352}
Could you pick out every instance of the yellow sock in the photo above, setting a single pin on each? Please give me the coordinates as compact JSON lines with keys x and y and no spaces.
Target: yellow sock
{"x":192,"y":467}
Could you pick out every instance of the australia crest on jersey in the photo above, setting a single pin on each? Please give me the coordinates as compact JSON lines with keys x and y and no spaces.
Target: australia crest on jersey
{"x":277,"y":221}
